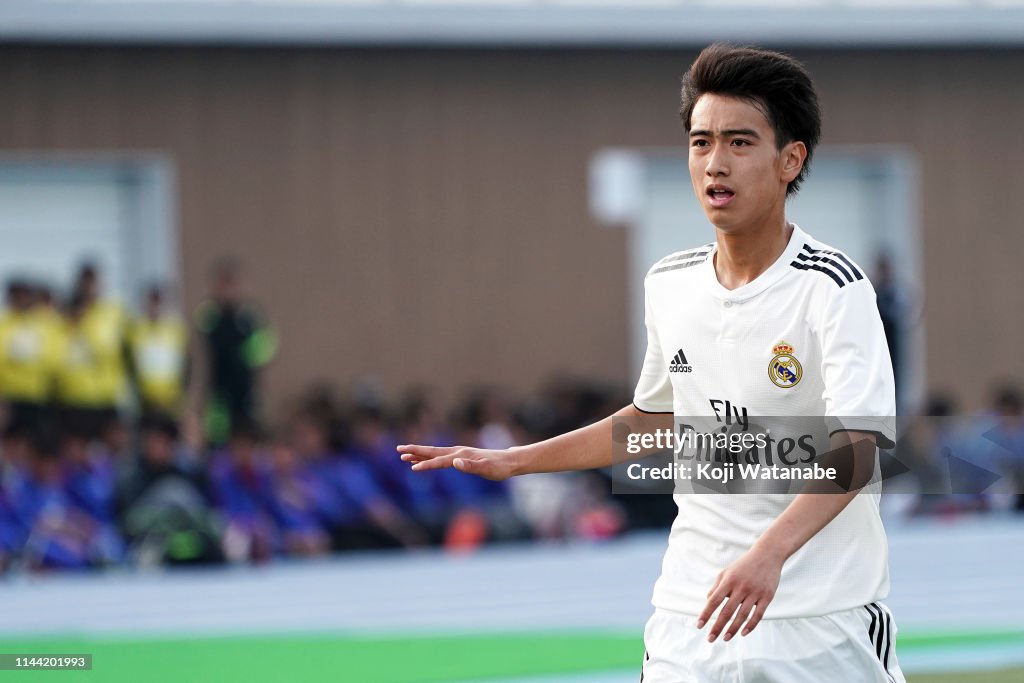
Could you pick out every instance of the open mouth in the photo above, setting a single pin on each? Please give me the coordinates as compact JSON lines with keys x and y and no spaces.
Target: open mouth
{"x":719,"y":195}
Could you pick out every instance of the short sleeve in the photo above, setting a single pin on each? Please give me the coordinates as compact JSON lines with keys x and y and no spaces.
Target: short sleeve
{"x":860,"y":392}
{"x":654,"y":389}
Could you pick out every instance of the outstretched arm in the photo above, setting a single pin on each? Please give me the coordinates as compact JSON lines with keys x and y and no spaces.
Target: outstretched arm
{"x":581,"y":449}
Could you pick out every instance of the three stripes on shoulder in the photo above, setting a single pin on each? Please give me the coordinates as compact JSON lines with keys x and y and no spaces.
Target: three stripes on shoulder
{"x":831,"y":263}
{"x":684,"y":259}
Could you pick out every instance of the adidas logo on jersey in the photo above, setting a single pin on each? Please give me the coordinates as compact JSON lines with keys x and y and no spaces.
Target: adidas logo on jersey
{"x":679,"y":363}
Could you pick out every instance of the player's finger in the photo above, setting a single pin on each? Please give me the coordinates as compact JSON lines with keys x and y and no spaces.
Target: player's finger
{"x":466,"y":465}
{"x":713,"y":602}
{"x":423,"y":451}
{"x":437,"y":463}
{"x":741,"y":615}
{"x":730,"y":607}
{"x":759,"y":609}
{"x":411,"y":457}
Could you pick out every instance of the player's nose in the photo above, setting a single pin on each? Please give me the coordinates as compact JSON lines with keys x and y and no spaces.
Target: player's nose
{"x":717,"y":163}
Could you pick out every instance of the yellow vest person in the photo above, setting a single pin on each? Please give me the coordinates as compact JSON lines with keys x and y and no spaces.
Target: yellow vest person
{"x":79,"y":373}
{"x":104,"y":325}
{"x":27,"y":345}
{"x":158,"y":348}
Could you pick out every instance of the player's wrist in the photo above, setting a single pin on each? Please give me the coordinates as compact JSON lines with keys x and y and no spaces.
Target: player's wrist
{"x":772,"y":550}
{"x":519,"y":459}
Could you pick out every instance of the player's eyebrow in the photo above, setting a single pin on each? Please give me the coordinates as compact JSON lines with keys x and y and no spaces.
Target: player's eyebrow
{"x":730,"y":132}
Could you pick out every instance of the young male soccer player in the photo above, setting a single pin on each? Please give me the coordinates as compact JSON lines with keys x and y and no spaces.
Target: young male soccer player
{"x":772,"y":320}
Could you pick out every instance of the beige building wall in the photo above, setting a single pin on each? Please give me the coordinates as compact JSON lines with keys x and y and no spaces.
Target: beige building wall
{"x":422,"y":215}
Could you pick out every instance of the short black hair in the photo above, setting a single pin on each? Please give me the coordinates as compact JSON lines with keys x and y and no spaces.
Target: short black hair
{"x":248,"y":429}
{"x":159,"y":423}
{"x":1008,"y":399}
{"x":226,"y":267}
{"x":940,"y":405}
{"x":87,"y":270}
{"x":774,"y":82}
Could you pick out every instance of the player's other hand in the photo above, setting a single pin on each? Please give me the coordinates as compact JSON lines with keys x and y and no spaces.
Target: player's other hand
{"x":746,"y":587}
{"x":489,"y":464}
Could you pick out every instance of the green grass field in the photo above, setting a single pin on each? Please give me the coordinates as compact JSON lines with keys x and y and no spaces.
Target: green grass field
{"x":1006,"y":676}
{"x":272,"y":659}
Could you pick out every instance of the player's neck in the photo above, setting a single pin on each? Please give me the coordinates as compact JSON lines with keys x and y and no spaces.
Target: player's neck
{"x":745,"y":254}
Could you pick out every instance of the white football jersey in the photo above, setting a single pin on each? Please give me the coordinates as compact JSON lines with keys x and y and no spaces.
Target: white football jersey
{"x":802,"y":339}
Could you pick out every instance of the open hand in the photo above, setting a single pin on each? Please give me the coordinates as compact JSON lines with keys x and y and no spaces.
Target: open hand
{"x":489,"y":464}
{"x":746,"y":586}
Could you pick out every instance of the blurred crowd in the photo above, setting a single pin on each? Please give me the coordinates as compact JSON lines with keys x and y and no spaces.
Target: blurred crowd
{"x":102,"y":465}
{"x":141,"y":438}
{"x":951,"y":462}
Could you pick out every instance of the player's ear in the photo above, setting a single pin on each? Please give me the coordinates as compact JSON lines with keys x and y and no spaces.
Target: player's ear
{"x":792,"y":157}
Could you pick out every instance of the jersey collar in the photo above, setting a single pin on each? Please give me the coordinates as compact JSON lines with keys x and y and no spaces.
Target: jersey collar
{"x":763,"y":281}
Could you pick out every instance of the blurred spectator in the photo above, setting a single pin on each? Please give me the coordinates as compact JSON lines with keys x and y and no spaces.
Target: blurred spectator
{"x":16,"y":450}
{"x":429,"y":498}
{"x":558,"y":410}
{"x":1007,"y":439}
{"x":241,"y":482}
{"x":45,"y":304}
{"x":11,"y":537}
{"x":349,"y":501}
{"x":565,"y":504}
{"x":15,"y":465}
{"x":59,"y":534}
{"x":28,"y":342}
{"x":598,"y":516}
{"x":157,"y":344}
{"x":893,"y":308}
{"x":921,"y":446}
{"x":91,"y":481}
{"x":987,"y":449}
{"x":483,"y":419}
{"x":163,"y":502}
{"x":81,"y":377}
{"x":103,"y":323}
{"x":118,"y":438}
{"x":295,"y":492}
{"x":950,"y":459}
{"x":543,"y":501}
{"x":489,"y":413}
{"x":237,"y":344}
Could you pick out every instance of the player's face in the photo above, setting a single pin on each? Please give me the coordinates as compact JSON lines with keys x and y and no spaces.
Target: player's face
{"x":739,"y":175}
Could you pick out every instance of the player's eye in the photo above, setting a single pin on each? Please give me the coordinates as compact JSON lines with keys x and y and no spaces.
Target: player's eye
{"x":741,"y":143}
{"x":699,"y":143}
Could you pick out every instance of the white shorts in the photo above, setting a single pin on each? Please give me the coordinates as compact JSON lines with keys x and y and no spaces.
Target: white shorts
{"x":852,"y":646}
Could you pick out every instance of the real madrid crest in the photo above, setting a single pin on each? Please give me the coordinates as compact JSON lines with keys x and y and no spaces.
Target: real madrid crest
{"x":784,"y":370}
